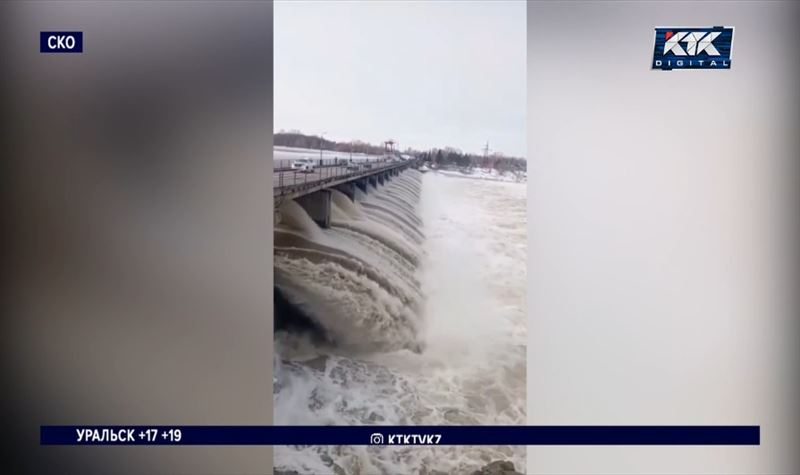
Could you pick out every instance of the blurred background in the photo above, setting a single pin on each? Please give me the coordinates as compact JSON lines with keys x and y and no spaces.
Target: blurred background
{"x":663,"y":208}
{"x":138,"y":196}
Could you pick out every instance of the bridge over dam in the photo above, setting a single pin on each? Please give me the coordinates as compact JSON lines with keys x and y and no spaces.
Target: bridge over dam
{"x":311,"y":189}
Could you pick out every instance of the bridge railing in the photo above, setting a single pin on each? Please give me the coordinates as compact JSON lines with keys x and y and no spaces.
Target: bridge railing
{"x":285,"y":164}
{"x":286,"y":178}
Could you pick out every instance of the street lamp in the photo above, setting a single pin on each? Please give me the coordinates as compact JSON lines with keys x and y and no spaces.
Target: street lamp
{"x":320,"y":146}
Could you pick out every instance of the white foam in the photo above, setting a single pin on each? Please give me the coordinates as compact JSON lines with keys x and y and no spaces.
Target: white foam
{"x":472,"y":275}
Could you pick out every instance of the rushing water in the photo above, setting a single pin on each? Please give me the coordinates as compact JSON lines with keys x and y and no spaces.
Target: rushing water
{"x":409,"y":310}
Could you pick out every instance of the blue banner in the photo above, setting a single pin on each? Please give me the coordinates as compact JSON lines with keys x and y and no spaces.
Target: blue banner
{"x":400,"y":435}
{"x":61,"y":42}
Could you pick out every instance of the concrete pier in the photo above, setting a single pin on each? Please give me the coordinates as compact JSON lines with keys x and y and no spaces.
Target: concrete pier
{"x":318,"y":207}
{"x":348,"y":189}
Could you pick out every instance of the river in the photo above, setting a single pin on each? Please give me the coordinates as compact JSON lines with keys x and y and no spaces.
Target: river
{"x":409,"y":310}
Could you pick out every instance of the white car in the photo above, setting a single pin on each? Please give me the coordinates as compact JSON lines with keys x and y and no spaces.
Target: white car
{"x":304,"y":165}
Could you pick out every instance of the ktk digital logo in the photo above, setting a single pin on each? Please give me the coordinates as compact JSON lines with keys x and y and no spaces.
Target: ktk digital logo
{"x":693,"y":48}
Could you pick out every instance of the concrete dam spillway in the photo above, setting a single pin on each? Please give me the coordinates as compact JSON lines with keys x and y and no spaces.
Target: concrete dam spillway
{"x":398,"y":301}
{"x":346,"y":263}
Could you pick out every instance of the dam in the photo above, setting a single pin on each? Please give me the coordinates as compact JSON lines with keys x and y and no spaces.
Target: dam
{"x":312,"y":188}
{"x":398,"y":302}
{"x":347,"y":245}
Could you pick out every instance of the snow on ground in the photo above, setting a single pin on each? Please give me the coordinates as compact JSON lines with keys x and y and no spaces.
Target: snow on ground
{"x":486,"y":174}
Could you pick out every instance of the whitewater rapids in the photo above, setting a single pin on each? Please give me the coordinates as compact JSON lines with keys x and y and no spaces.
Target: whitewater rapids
{"x":408,"y":310}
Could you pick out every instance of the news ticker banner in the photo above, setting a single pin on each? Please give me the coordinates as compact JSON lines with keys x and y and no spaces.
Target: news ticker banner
{"x":400,"y":435}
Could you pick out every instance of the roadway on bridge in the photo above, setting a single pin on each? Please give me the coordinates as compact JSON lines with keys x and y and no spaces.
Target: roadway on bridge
{"x":285,"y":178}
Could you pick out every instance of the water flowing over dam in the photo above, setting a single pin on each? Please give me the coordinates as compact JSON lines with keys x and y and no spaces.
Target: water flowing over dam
{"x":355,"y":282}
{"x":407,"y":309}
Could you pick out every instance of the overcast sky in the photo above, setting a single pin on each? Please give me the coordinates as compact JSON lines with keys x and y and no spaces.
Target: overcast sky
{"x":426,"y":74}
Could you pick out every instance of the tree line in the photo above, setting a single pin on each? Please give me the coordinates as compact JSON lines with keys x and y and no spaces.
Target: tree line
{"x":449,"y":157}
{"x":440,"y":157}
{"x":297,"y":139}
